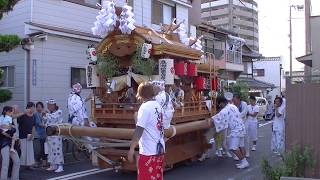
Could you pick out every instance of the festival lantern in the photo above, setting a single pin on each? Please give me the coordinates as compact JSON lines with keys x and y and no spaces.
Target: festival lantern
{"x":200,"y":83}
{"x":180,"y":69}
{"x":166,"y":70}
{"x":93,"y":79}
{"x":92,"y":55}
{"x":215,"y":84}
{"x":146,"y":50}
{"x":192,"y":70}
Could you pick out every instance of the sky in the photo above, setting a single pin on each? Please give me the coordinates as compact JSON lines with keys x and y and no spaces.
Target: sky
{"x":274,"y":29}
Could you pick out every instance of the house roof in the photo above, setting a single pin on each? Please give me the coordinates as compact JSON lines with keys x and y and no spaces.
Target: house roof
{"x":269,"y":59}
{"x":256,"y":84}
{"x":64,"y":30}
{"x":306,"y":59}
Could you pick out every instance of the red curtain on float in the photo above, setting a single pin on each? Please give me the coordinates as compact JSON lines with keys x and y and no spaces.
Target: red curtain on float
{"x":179,"y":69}
{"x":215,"y":84}
{"x":200,"y":83}
{"x":192,"y":70}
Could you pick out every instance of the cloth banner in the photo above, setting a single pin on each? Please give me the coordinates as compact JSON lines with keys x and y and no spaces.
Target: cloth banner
{"x":166,"y":70}
{"x":93,"y":79}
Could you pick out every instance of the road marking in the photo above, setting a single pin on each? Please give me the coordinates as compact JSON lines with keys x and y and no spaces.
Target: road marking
{"x":264,"y":124}
{"x":74,"y":174}
{"x":87,"y":174}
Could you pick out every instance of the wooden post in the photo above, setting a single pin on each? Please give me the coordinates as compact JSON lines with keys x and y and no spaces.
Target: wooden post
{"x":122,"y":133}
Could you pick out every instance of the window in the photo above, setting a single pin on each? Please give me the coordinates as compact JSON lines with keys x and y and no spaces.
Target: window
{"x":258,"y":72}
{"x":162,"y":13}
{"x":78,"y":75}
{"x":8,"y":76}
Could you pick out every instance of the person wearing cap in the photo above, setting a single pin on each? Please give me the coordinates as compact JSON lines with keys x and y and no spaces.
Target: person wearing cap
{"x":77,"y":108}
{"x":228,"y":96}
{"x":253,"y":110}
{"x":55,"y":154}
{"x":164,"y":99}
{"x":229,"y":118}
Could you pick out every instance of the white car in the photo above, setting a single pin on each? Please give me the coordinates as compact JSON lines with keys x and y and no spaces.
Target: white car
{"x":262,"y":103}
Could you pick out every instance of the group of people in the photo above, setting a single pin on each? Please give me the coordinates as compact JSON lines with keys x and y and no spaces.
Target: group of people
{"x":17,"y":138}
{"x":238,"y":124}
{"x":20,"y":131}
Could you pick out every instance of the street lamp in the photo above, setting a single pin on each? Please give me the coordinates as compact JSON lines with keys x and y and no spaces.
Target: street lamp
{"x":299,"y":8}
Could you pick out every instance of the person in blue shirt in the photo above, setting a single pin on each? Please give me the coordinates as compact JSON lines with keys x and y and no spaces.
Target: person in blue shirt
{"x":40,"y":136}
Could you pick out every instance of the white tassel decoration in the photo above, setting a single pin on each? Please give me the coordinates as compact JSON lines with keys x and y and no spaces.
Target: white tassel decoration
{"x":106,"y":20}
{"x":126,"y":20}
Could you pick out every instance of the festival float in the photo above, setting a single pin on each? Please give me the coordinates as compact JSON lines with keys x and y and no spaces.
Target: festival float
{"x":127,"y":56}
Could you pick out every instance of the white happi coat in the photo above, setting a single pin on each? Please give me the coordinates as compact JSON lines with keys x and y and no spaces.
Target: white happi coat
{"x":165,"y":101}
{"x":55,"y":154}
{"x":229,"y":118}
{"x":77,"y":108}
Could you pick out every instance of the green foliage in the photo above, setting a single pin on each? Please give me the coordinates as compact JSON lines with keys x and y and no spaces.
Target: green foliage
{"x":108,"y":65}
{"x":1,"y":74}
{"x":239,"y":88}
{"x":8,"y":42}
{"x":6,"y":6}
{"x":295,"y":164}
{"x":5,"y":95}
{"x":141,"y":65}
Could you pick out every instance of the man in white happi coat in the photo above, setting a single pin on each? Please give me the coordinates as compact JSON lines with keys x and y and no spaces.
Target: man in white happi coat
{"x":229,"y":118}
{"x":55,"y":154}
{"x":77,"y":108}
{"x":164,"y":99}
{"x":242,"y":106}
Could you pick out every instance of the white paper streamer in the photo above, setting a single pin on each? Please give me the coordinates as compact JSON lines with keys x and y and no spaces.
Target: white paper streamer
{"x":106,"y":20}
{"x":126,"y":20}
{"x":182,"y":33}
{"x":197,"y":45}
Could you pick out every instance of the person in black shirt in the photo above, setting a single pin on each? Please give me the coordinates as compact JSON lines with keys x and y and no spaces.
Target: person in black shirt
{"x":26,"y":125}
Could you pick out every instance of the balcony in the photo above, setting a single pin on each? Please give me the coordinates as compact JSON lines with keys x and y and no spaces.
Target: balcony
{"x":234,"y":61}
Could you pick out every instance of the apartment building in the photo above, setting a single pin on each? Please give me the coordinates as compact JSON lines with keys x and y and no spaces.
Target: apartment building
{"x":56,"y":35}
{"x":239,"y":16}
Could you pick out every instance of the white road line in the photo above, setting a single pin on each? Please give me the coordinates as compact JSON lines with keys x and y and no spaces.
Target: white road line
{"x":261,"y":125}
{"x":74,"y":174}
{"x":87,"y":174}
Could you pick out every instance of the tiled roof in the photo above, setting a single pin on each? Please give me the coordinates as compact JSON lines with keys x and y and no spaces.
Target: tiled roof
{"x":256,"y":84}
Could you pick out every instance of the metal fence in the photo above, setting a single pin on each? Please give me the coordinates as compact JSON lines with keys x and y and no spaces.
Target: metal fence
{"x":303,"y":112}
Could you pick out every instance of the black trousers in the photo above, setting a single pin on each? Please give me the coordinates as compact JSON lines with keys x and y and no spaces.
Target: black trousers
{"x":40,"y":153}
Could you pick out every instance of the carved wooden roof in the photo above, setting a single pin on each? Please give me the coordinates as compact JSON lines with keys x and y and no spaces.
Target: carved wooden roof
{"x":163,"y":44}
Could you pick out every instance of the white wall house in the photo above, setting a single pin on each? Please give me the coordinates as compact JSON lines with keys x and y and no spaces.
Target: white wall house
{"x":60,"y":31}
{"x":268,"y":70}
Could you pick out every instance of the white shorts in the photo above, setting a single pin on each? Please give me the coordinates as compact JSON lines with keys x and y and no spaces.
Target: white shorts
{"x":252,"y":130}
{"x":236,"y":142}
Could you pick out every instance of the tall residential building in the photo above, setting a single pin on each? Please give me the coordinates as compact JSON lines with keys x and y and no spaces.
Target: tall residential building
{"x":239,"y":16}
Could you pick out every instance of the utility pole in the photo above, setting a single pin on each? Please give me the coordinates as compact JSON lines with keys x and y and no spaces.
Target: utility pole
{"x":307,"y":3}
{"x":290,"y":37}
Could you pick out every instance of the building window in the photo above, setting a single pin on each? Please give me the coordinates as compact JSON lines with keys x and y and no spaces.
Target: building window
{"x":162,"y":13}
{"x":258,"y":72}
{"x":89,"y":3}
{"x":78,"y":75}
{"x":8,"y":76}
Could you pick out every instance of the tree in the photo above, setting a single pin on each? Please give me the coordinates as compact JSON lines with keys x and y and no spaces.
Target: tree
{"x":7,"y":43}
{"x":241,"y":89}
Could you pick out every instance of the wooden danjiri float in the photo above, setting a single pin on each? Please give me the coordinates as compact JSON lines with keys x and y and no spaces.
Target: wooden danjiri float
{"x":124,"y":61}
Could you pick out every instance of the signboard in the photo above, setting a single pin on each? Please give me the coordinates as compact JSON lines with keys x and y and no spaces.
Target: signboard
{"x":92,"y":76}
{"x":166,"y":70}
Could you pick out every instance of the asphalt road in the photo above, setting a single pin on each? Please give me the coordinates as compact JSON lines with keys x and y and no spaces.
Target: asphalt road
{"x":211,"y":169}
